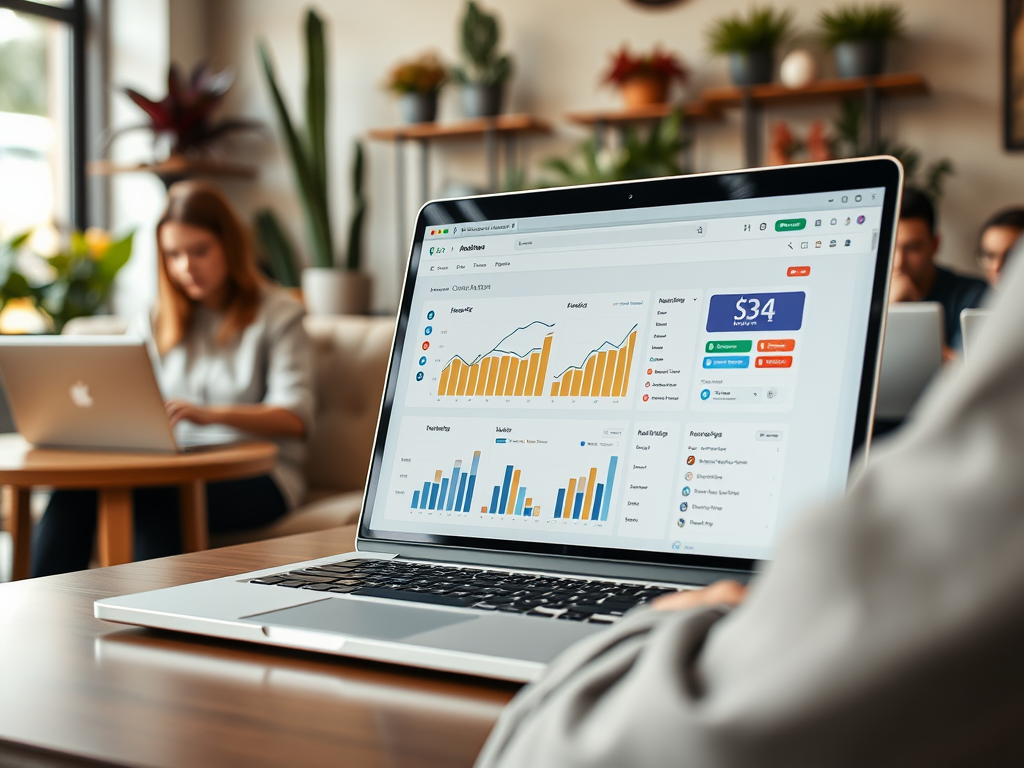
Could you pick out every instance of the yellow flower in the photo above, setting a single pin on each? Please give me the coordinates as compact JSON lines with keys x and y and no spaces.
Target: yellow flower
{"x":98,"y":241}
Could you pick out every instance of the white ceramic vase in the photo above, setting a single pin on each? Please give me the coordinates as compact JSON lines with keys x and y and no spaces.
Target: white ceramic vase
{"x":327,"y":291}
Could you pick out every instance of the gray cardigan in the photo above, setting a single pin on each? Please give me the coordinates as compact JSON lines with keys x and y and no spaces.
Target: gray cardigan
{"x":889,"y":630}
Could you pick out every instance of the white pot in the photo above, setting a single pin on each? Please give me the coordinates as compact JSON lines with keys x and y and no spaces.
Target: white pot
{"x":335,"y":291}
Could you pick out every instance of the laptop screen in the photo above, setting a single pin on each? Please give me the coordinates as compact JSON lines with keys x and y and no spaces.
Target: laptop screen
{"x":677,"y":379}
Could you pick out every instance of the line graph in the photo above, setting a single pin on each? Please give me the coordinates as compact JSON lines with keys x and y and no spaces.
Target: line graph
{"x":604,"y":371}
{"x":514,"y":367}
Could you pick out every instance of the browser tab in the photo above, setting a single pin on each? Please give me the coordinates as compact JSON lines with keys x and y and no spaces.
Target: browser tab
{"x":501,"y":227}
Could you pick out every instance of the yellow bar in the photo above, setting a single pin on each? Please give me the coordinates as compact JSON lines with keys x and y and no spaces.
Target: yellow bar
{"x":527,"y":502}
{"x":499,"y":387}
{"x":620,"y":367}
{"x":598,"y":374}
{"x":588,"y":376}
{"x":453,"y":378}
{"x":460,"y":388}
{"x":437,"y":476}
{"x":492,"y":375}
{"x":566,"y":382}
{"x":474,"y":374}
{"x":554,"y":389}
{"x":481,"y":382}
{"x":629,"y":362}
{"x":483,"y":510}
{"x":531,"y":376}
{"x":609,"y":369}
{"x":513,"y":491}
{"x":442,"y":386}
{"x":545,"y":352}
{"x":588,"y":501}
{"x":521,"y":379}
{"x":570,"y":499}
{"x":536,"y":511}
{"x":577,"y":380}
{"x":513,"y":371}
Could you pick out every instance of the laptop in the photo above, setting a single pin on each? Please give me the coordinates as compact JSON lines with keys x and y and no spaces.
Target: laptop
{"x":971,"y":323}
{"x":911,"y":356}
{"x":596,"y":395}
{"x":93,"y":392}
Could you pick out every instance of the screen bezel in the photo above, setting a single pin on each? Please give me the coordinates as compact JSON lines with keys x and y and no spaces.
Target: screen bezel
{"x":764,"y":183}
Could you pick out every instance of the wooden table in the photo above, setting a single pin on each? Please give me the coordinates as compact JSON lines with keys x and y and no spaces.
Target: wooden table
{"x":74,"y":689}
{"x":114,"y":475}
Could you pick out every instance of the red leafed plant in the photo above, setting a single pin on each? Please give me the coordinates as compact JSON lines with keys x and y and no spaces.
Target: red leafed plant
{"x":657,"y":64}
{"x":185,"y":115}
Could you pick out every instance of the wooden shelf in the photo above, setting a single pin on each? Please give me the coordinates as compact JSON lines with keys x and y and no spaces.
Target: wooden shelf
{"x":905,"y":84}
{"x":175,"y":168}
{"x":463,"y":129}
{"x":696,"y":110}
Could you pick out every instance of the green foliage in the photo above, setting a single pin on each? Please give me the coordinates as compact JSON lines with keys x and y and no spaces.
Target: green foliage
{"x":308,"y":150}
{"x":851,"y":23}
{"x":23,"y":65}
{"x":356,"y":224}
{"x":274,"y":243}
{"x":80,"y":279}
{"x":763,"y":28}
{"x":637,"y":158}
{"x":480,"y":34}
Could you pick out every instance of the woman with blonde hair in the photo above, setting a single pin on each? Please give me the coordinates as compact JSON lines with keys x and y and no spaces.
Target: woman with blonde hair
{"x":232,"y":360}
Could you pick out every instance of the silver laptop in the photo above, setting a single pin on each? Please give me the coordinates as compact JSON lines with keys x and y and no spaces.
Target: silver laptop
{"x":971,"y":323}
{"x":96,"y":392}
{"x":911,"y":356}
{"x":596,"y":396}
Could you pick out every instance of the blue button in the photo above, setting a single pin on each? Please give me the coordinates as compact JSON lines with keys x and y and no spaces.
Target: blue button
{"x":705,"y":394}
{"x":727,"y":362}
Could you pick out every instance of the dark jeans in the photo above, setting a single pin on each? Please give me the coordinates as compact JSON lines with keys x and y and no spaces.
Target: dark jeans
{"x":64,"y":537}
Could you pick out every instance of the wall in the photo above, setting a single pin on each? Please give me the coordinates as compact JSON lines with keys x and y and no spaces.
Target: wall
{"x":561,"y":47}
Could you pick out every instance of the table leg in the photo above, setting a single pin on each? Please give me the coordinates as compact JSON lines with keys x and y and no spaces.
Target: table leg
{"x":195,"y":532}
{"x":19,"y":525}
{"x":114,"y":533}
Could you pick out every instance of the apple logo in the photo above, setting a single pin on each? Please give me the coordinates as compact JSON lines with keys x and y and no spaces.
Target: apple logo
{"x":80,"y":394}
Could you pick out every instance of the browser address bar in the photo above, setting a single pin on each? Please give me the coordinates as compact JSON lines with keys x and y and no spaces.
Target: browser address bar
{"x":691,"y":230}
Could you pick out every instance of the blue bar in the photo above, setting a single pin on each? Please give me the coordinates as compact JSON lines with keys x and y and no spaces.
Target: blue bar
{"x":500,"y":440}
{"x":461,"y":496}
{"x":577,"y":507}
{"x":520,"y":500}
{"x":433,"y":495}
{"x":528,"y":512}
{"x":468,"y":506}
{"x":424,"y":495}
{"x":612,"y":464}
{"x":415,"y":499}
{"x":504,"y":489}
{"x":443,"y":494}
{"x":561,"y":500}
{"x":598,"y":495}
{"x":494,"y":501}
{"x":453,"y":486}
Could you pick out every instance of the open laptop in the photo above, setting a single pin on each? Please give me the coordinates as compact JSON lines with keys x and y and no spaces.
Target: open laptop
{"x":911,"y":356}
{"x":96,"y":392}
{"x":596,"y":395}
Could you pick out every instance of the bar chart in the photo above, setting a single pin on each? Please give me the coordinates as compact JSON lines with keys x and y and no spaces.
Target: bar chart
{"x":509,"y":498}
{"x":452,"y":493}
{"x":501,"y":371}
{"x":604,"y":372}
{"x":584,"y":498}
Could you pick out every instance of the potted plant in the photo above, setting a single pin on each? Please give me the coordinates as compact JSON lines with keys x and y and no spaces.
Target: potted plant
{"x":644,"y":79}
{"x":418,"y":83}
{"x":484,"y":74}
{"x":750,"y":43}
{"x":858,"y":35}
{"x":326,"y":289}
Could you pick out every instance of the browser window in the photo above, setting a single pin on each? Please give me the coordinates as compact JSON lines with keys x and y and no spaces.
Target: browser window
{"x":672,"y":379}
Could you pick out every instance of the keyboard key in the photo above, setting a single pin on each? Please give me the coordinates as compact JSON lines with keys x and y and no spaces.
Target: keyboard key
{"x":418,"y":597}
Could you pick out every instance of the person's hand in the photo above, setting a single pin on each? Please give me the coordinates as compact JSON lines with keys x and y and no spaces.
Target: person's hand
{"x":949,"y":355}
{"x":719,"y":593}
{"x":181,"y":410}
{"x":902,"y":288}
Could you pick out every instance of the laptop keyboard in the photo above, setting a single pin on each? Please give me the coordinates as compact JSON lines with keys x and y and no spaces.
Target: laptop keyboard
{"x":552,"y":597}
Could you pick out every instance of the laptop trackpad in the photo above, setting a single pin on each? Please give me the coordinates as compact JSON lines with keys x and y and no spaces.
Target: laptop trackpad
{"x":362,"y":619}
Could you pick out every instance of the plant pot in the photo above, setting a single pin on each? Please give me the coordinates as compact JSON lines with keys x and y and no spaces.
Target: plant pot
{"x":335,"y":291}
{"x":482,"y":100}
{"x":752,"y":67}
{"x":644,"y":90}
{"x":860,"y":58}
{"x":418,"y":107}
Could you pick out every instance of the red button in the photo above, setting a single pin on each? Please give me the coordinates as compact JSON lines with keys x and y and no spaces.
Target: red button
{"x":776,"y":345}
{"x":798,"y":272}
{"x":776,"y":361}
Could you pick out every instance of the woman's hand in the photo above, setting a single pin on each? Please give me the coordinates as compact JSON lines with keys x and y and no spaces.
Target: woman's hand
{"x":720,"y":593}
{"x":181,"y":410}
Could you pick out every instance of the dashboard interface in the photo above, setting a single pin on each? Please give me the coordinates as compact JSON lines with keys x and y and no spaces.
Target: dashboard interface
{"x":675,"y":379}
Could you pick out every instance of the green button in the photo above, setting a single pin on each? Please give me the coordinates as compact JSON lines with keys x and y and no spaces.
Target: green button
{"x":790,"y":225}
{"x":714,"y":347}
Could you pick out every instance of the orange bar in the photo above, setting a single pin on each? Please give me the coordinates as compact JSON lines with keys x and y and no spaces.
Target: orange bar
{"x":527,"y":502}
{"x":536,"y":511}
{"x":453,"y":379}
{"x":481,"y":382}
{"x":531,"y":376}
{"x":545,"y":352}
{"x":566,"y":381}
{"x":513,"y":371}
{"x":554,"y":389}
{"x":513,"y":492}
{"x":609,"y":371}
{"x":577,"y":380}
{"x":474,"y":374}
{"x":629,"y":363}
{"x":588,"y":500}
{"x":460,"y":388}
{"x":598,"y":374}
{"x":570,"y":499}
{"x":521,"y":379}
{"x":620,"y":368}
{"x":483,"y":510}
{"x":437,"y":476}
{"x":492,"y":375}
{"x":442,"y":386}
{"x":499,"y":386}
{"x":588,"y":376}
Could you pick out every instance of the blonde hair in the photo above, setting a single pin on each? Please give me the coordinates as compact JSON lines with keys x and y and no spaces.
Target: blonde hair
{"x":202,"y":205}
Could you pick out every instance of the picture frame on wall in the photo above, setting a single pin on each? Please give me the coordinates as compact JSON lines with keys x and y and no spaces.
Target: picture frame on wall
{"x":1013,"y":74}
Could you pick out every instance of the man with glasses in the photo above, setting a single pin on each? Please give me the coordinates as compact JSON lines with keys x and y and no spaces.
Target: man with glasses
{"x":997,"y":237}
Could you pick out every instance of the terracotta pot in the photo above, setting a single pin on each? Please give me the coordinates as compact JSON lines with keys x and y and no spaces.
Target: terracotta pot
{"x":643,"y":90}
{"x":335,"y":291}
